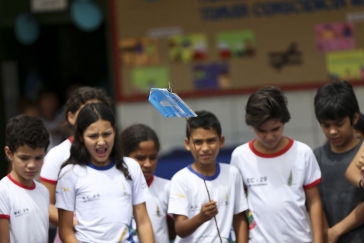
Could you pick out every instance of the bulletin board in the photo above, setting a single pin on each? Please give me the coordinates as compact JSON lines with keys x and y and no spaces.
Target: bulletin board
{"x":224,"y":47}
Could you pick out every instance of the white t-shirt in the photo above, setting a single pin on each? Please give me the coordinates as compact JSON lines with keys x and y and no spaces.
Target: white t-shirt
{"x":27,"y":209}
{"x":188,"y":194}
{"x":276,"y":185}
{"x":157,"y":207}
{"x":102,"y":199}
{"x":53,"y":161}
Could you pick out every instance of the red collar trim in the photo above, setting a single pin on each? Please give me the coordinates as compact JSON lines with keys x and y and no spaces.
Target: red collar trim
{"x":279,"y":153}
{"x":150,"y":181}
{"x":21,"y":185}
{"x":70,"y":139}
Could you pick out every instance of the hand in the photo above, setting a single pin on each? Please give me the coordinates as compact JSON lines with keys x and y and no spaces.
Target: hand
{"x":331,"y":235}
{"x":208,"y":211}
{"x":74,"y":224}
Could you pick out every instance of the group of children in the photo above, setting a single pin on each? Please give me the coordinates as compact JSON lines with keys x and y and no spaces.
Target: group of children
{"x":99,"y":185}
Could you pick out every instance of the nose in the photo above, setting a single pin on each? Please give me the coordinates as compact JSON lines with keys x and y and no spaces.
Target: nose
{"x":269,"y":136}
{"x":332,"y":130}
{"x":31,"y":164}
{"x":100,"y":140}
{"x":205,"y":147}
{"x":147,"y":163}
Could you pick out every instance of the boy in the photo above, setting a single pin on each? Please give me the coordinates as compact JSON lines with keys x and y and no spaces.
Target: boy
{"x":279,"y":174}
{"x":188,"y":200}
{"x":24,"y":202}
{"x":337,"y":110}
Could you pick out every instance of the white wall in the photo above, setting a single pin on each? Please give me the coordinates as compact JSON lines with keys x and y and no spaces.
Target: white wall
{"x":303,"y":125}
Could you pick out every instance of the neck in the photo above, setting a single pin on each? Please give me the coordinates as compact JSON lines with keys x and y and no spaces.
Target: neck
{"x":345,"y":147}
{"x":206,"y":170}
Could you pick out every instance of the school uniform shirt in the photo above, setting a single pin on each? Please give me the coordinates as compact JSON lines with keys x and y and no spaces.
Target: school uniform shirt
{"x":276,"y":185}
{"x":27,"y":209}
{"x":102,"y":199}
{"x":188,"y":194}
{"x":157,"y":206}
{"x":53,"y":161}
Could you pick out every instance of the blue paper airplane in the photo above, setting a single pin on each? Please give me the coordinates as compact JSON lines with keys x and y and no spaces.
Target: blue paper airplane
{"x":169,"y":104}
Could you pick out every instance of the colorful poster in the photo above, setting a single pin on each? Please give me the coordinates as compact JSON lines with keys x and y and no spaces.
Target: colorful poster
{"x":143,"y":79}
{"x":235,"y":44}
{"x":138,"y":52}
{"x":187,"y":48}
{"x":211,"y":76}
{"x":346,"y":64}
{"x":334,"y":36}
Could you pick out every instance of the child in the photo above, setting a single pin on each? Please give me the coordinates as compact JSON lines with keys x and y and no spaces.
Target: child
{"x":337,"y":110}
{"x":60,"y":153}
{"x":280,"y":175}
{"x":99,"y":185}
{"x":23,"y":201}
{"x":141,"y":143}
{"x":189,"y":201}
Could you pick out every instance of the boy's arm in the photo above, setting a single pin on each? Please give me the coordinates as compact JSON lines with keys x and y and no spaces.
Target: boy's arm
{"x":53,"y":212}
{"x":350,"y":222}
{"x":4,"y":231}
{"x":240,"y":225}
{"x":314,"y":207}
{"x":66,"y":232}
{"x":185,"y":226}
{"x":353,"y":172}
{"x":144,"y":226}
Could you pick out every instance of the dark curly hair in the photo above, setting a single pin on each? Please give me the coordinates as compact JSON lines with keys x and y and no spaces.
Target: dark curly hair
{"x":91,"y":113}
{"x":133,"y":135}
{"x":206,"y":120}
{"x":26,"y":130}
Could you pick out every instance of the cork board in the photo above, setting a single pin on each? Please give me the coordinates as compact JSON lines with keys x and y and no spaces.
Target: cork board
{"x":286,"y":48}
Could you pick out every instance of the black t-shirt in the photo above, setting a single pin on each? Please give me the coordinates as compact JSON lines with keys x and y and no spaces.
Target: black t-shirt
{"x":338,"y":196}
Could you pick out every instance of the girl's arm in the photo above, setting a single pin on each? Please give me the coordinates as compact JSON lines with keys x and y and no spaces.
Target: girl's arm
{"x":354,"y":169}
{"x":171,"y":228}
{"x":314,"y":207}
{"x":53,"y":212}
{"x":240,"y":225}
{"x":4,"y":231}
{"x":144,"y":226}
{"x":65,"y":224}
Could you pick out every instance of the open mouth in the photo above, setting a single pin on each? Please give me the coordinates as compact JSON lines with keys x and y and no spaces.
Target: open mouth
{"x":101,"y":151}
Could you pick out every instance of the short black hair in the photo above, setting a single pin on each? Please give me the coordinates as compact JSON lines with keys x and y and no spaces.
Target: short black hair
{"x":336,"y":100}
{"x":359,"y":125}
{"x":264,"y":104}
{"x":133,"y":135}
{"x":26,"y":130}
{"x":205,"y":120}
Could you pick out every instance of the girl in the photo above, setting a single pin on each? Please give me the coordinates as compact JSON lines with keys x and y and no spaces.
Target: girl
{"x":141,"y":143}
{"x":99,"y":185}
{"x":60,"y":153}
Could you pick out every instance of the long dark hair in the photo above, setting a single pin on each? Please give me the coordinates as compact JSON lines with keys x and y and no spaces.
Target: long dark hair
{"x":89,"y":114}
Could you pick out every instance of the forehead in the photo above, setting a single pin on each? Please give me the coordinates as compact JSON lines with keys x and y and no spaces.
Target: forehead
{"x":330,"y":121}
{"x":98,"y":126}
{"x":204,"y":133}
{"x":270,"y":124}
{"x":28,"y":151}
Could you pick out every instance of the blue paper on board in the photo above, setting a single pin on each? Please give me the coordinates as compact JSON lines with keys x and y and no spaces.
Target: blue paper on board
{"x":169,"y":104}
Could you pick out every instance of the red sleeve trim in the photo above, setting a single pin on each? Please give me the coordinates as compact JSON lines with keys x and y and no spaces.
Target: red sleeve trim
{"x":4,"y":216}
{"x":49,"y":181}
{"x":21,"y":185}
{"x":315,"y":183}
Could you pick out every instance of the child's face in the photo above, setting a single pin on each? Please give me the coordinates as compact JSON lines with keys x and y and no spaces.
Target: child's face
{"x":338,"y":132}
{"x":269,"y":133}
{"x":26,"y":163}
{"x":99,"y":142}
{"x":147,"y":156}
{"x":208,"y":144}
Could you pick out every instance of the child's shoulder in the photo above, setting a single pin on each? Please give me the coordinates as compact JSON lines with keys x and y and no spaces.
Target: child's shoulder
{"x":40,"y":187}
{"x":182,"y":174}
{"x":161,"y":180}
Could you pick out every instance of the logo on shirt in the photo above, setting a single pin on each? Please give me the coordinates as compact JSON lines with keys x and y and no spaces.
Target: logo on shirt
{"x":89,"y":198}
{"x":64,"y":189}
{"x":226,"y":199}
{"x":180,"y":195}
{"x":257,"y":181}
{"x":290,"y":179}
{"x":251,"y":221}
{"x":158,"y":212}
{"x":21,"y":212}
{"x":193,"y":207}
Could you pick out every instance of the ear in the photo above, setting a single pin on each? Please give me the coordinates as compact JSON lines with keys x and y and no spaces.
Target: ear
{"x":8,"y":153}
{"x":71,"y":117}
{"x":355,"y":118}
{"x":187,"y":144}
{"x":222,"y":141}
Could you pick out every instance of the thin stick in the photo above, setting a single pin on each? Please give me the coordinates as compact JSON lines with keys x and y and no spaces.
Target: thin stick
{"x":203,"y":177}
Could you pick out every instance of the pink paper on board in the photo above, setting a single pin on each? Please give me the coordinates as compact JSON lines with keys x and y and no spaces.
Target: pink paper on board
{"x":334,"y":36}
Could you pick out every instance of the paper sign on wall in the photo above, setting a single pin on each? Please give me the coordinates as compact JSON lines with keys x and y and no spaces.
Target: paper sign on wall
{"x":334,"y":36}
{"x":187,"y":48}
{"x":346,"y":64}
{"x":235,"y":44}
{"x":143,"y":79}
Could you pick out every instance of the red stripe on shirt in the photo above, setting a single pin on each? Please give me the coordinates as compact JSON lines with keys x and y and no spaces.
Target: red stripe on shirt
{"x":4,"y":216}
{"x":315,"y":183}
{"x":48,"y":180}
{"x":21,"y":185}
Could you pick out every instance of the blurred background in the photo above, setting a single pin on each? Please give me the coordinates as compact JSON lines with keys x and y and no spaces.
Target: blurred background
{"x":214,"y":53}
